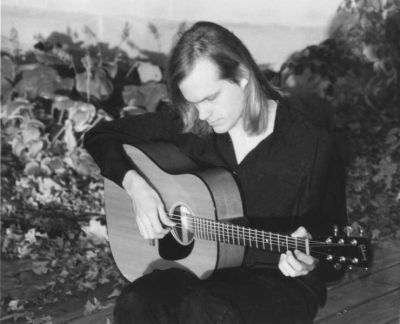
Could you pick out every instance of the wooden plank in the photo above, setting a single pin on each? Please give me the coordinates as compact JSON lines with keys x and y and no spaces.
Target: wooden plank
{"x":386,"y":255}
{"x":361,"y":291}
{"x":99,"y":317}
{"x":382,"y":310}
{"x":79,"y":317}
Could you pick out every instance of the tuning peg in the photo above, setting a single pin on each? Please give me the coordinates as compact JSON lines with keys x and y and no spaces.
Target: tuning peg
{"x":337,"y":266}
{"x":361,"y":232}
{"x":348,"y":230}
{"x":335,"y":230}
{"x":350,"y":267}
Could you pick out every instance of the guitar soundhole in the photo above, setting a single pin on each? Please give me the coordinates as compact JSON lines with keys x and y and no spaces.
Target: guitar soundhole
{"x":183,"y":217}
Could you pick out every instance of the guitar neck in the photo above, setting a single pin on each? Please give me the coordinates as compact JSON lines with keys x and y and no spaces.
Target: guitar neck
{"x":207,"y":229}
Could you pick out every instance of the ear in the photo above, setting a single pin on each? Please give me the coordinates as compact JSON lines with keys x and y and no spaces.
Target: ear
{"x":244,"y":76}
{"x":243,"y":82}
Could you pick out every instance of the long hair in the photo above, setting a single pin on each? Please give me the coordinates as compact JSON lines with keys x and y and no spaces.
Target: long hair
{"x":234,"y":62}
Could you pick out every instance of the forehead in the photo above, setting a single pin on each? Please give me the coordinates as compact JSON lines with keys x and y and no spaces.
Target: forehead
{"x":201,"y":82}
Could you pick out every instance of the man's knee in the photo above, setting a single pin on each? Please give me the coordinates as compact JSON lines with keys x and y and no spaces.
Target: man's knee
{"x":201,"y":306}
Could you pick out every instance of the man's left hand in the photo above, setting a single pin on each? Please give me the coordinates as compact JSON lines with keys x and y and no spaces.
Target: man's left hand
{"x":297,"y":263}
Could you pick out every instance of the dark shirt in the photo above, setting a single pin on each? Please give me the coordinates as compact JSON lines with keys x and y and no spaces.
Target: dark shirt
{"x":293,"y":177}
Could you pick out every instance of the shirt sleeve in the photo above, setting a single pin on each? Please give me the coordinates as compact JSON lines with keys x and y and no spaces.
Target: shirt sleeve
{"x":104,"y":142}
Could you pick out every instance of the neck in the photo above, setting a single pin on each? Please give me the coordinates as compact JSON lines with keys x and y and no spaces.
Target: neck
{"x":244,"y":143}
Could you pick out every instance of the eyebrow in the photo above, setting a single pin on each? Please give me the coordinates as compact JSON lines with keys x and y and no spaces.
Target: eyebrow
{"x":208,"y":97}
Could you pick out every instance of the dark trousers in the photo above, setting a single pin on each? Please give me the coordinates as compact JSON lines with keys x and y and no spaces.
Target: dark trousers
{"x":229,"y":296}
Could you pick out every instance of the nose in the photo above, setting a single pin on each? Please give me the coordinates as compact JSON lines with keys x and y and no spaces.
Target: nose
{"x":204,"y":110}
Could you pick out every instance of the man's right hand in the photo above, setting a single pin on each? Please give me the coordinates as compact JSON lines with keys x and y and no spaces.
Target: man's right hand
{"x":147,"y":206}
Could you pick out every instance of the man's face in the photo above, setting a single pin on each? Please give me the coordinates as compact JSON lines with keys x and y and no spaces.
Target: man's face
{"x":219,"y":102}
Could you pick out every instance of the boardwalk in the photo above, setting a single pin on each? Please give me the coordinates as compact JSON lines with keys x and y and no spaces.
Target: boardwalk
{"x":360,"y":298}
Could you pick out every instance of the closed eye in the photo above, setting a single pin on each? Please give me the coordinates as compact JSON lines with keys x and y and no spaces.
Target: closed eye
{"x":211,"y":98}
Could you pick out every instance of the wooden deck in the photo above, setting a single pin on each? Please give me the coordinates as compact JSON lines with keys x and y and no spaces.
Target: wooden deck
{"x":371,"y":297}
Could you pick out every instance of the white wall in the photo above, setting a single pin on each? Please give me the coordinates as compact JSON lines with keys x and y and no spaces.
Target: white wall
{"x":272,"y":29}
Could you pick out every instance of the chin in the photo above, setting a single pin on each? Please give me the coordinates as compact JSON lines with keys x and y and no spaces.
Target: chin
{"x":220,"y":129}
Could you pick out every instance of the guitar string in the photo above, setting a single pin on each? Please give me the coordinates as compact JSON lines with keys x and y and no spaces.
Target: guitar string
{"x":314,"y":252}
{"x":244,"y":234}
{"x":244,"y":229}
{"x":258,"y":239}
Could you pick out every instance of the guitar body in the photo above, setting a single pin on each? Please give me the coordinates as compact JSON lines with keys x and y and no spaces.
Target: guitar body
{"x":184,"y":188}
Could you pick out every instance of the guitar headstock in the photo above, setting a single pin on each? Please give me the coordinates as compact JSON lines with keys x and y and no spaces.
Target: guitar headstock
{"x":346,"y":250}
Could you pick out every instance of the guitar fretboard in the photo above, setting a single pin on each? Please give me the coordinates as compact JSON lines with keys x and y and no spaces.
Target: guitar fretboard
{"x":207,"y":229}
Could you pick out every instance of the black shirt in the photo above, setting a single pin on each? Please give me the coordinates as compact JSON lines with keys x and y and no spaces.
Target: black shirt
{"x":293,"y":177}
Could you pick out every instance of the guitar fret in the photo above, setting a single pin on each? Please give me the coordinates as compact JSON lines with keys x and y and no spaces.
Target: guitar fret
{"x":204,"y":229}
{"x":249,"y":236}
{"x":279,"y":245}
{"x":287,"y":245}
{"x":256,"y":236}
{"x":263,"y":239}
{"x":270,"y":241}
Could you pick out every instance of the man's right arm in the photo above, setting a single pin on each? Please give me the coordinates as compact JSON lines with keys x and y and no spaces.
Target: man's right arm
{"x":104,"y":142}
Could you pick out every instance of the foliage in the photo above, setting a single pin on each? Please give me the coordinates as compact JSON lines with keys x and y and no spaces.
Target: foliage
{"x":356,"y":72}
{"x":52,"y":203}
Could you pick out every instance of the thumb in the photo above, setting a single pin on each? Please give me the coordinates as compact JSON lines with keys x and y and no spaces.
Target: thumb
{"x":165,"y":220}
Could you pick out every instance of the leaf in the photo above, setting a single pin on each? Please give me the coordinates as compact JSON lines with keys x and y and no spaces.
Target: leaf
{"x":69,"y":137}
{"x":6,"y":90}
{"x":30,"y":236}
{"x":40,"y":267}
{"x":32,"y":130}
{"x":147,"y":96}
{"x":91,"y":307}
{"x":15,"y":305}
{"x":32,"y":168}
{"x":96,"y":84}
{"x":115,"y":293}
{"x":18,"y":107}
{"x":149,"y":72}
{"x":83,"y":163}
{"x":18,"y":146}
{"x":42,"y":81}
{"x":375,"y":234}
{"x":96,"y":232}
{"x":81,"y":116}
{"x":8,"y":68}
{"x":9,"y":46}
{"x":34,"y":147}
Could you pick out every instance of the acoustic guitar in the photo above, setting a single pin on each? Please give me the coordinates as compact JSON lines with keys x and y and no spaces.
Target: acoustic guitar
{"x":206,"y":206}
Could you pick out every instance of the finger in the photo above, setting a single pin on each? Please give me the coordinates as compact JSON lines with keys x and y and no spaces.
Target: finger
{"x":157,"y":229}
{"x":147,"y":224}
{"x":164,"y":218}
{"x":293,"y":262}
{"x":285,"y":267}
{"x":282,"y":266}
{"x":142,"y":228}
{"x":301,"y":232}
{"x":306,"y":259}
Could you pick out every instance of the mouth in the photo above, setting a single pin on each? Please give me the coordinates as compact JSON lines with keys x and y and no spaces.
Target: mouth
{"x":213,"y":123}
